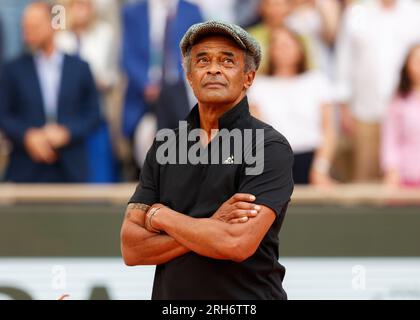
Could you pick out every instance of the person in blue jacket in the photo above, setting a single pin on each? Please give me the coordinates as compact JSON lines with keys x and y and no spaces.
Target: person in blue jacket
{"x":48,"y":107}
{"x":152,"y":61}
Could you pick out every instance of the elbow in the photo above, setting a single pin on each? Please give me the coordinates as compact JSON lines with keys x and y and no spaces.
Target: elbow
{"x":129,"y":258}
{"x":238,"y":251}
{"x":128,"y":261}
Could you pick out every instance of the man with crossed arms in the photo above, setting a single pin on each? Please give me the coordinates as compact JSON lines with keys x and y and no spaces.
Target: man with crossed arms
{"x":211,"y":229}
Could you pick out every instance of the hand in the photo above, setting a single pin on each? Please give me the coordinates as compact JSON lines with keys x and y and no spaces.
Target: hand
{"x":38,"y":146}
{"x":392,"y":179}
{"x":103,"y":87}
{"x":238,"y":209}
{"x":57,"y":135}
{"x":347,"y":122}
{"x":151,"y":93}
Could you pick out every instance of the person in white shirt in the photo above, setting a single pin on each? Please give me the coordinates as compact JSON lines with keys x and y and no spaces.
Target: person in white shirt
{"x":316,"y":21}
{"x":297,"y":102}
{"x":372,"y":43}
{"x":94,"y":40}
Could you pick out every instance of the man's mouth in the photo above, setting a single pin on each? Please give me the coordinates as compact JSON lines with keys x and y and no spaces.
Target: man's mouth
{"x":214,"y":85}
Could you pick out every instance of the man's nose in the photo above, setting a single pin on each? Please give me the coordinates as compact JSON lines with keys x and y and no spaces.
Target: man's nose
{"x":214,"y":68}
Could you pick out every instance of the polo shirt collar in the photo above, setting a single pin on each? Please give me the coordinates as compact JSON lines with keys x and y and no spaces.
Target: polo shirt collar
{"x":228,"y":120}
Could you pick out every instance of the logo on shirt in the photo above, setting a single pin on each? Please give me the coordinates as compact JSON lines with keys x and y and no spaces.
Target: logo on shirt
{"x":229,"y":160}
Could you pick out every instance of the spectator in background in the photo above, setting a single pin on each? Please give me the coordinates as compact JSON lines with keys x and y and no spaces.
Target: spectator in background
{"x":316,"y":21}
{"x":109,"y":11}
{"x":373,"y":40}
{"x":297,"y":102}
{"x":273,"y":14}
{"x":3,"y":150}
{"x":1,"y":43}
{"x":400,"y":156}
{"x":49,"y":106}
{"x":152,"y":62}
{"x":11,"y":14}
{"x":241,"y":12}
{"x":246,"y":12}
{"x":94,"y":41}
{"x":217,"y":10}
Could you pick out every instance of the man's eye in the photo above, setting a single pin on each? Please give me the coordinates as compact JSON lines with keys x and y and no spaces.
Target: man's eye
{"x":227,"y":60}
{"x":201,"y":60}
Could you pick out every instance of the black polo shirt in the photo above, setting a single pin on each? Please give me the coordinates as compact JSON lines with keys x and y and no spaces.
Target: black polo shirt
{"x":199,"y":190}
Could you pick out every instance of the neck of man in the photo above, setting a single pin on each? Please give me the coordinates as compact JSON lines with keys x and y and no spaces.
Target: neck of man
{"x":48,"y":49}
{"x":79,"y":29}
{"x":210,"y":114}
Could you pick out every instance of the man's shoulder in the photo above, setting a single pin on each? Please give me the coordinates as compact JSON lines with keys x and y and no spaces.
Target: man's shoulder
{"x":17,"y":62}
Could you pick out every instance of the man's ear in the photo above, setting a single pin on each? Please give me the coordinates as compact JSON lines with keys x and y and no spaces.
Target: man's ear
{"x":188,"y":75}
{"x":249,"y":78}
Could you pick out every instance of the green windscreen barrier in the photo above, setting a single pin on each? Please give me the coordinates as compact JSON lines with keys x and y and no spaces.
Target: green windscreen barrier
{"x":93,"y":230}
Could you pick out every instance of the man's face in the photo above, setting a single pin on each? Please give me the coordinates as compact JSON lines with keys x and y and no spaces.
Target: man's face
{"x":273,"y":12}
{"x":81,"y":12}
{"x":217,"y":71}
{"x":36,"y":27}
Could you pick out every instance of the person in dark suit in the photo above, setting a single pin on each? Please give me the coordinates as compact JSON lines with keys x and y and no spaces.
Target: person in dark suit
{"x":151,"y":59}
{"x":1,"y":44}
{"x":49,"y":105}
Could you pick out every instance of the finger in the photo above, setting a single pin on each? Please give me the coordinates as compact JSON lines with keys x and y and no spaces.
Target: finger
{"x":241,"y":197}
{"x":247,"y":206}
{"x":48,"y":154}
{"x":39,"y":153}
{"x":239,"y":220}
{"x":35,"y":156}
{"x":237,"y":214}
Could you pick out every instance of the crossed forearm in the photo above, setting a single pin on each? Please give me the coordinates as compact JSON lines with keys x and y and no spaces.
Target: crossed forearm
{"x":207,"y":237}
{"x":141,"y":247}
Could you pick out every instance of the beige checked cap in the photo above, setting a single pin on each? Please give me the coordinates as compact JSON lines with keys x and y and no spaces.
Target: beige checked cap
{"x":239,"y":35}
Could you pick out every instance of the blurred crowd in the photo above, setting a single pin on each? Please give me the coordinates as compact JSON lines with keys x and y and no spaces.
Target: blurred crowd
{"x":85,"y":85}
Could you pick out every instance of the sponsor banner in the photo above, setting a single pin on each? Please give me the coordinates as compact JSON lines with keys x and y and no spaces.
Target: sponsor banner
{"x":109,"y":278}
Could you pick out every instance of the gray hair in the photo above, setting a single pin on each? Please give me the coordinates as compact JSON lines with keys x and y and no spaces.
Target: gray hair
{"x":249,"y":61}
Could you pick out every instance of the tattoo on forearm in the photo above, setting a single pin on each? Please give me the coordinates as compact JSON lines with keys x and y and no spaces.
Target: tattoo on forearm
{"x":136,"y":206}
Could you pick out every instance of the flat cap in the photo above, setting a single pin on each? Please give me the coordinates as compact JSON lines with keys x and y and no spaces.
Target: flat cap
{"x":239,"y":35}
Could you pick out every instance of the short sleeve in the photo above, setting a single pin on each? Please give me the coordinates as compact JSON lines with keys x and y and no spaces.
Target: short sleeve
{"x":147,"y":190}
{"x":274,"y":186}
